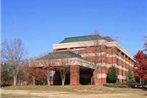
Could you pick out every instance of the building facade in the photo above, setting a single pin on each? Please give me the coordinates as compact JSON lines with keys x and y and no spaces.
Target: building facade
{"x":89,"y":58}
{"x":101,"y":50}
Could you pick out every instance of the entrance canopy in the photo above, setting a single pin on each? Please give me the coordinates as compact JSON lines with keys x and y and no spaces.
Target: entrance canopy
{"x":61,"y":59}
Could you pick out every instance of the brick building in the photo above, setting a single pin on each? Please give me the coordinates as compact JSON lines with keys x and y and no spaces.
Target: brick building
{"x":89,"y":58}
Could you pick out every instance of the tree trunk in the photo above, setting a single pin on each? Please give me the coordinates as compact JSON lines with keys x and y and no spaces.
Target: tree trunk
{"x":63,"y":76}
{"x":63,"y":80}
{"x":48,"y":79}
{"x":33,"y":77}
{"x":96,"y":80}
{"x":15,"y":72}
{"x":14,"y":80}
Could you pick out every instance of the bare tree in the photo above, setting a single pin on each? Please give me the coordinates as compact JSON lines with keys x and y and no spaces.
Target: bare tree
{"x":63,"y":69}
{"x":60,"y":65}
{"x":95,"y":53}
{"x":13,"y":53}
{"x":48,"y":65}
{"x":43,"y":63}
{"x":31,"y":70}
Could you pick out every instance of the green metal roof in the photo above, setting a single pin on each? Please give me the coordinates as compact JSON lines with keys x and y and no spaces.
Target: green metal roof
{"x":85,"y":38}
{"x":60,"y":55}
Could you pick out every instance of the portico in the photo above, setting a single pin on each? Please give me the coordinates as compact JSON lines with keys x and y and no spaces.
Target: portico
{"x":66,"y":65}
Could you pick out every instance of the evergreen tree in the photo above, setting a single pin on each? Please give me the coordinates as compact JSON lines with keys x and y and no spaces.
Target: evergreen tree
{"x":112,"y":75}
{"x":130,"y":77}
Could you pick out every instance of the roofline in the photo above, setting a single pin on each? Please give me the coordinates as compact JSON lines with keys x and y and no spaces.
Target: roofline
{"x":91,"y":43}
{"x":90,"y":37}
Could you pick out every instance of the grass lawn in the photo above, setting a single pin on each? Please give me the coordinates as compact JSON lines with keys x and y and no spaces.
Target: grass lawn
{"x":40,"y":88}
{"x":77,"y":91}
{"x":19,"y":96}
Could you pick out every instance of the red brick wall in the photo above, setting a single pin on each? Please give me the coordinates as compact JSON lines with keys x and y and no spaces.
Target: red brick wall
{"x":108,"y":60}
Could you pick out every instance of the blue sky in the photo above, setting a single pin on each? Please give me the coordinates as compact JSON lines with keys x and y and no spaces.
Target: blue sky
{"x":41,"y":23}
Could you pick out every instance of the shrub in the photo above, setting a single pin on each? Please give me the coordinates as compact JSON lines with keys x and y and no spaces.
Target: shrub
{"x":115,"y":85}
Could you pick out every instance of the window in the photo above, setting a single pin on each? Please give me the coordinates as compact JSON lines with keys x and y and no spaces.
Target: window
{"x":117,"y":52}
{"x":79,"y":48}
{"x":117,"y":61}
